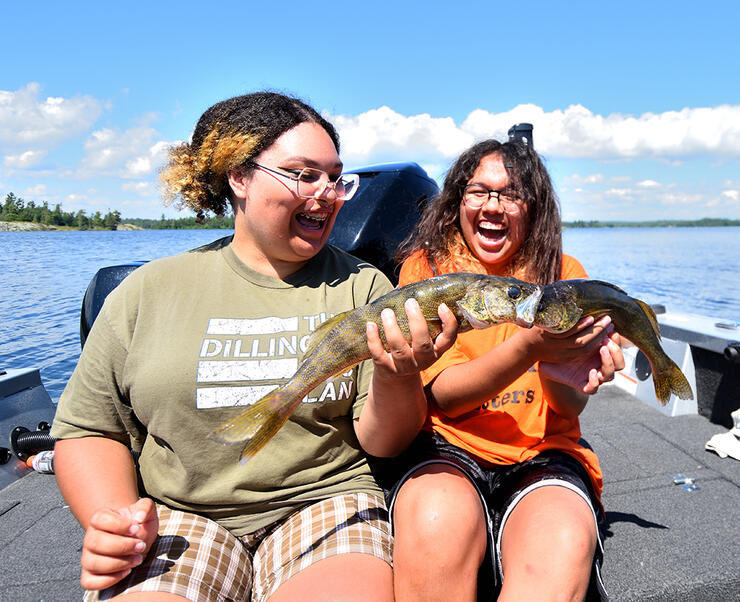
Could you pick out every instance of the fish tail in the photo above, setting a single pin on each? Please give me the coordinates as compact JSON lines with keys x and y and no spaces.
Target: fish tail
{"x":257,"y":424}
{"x":668,"y":379}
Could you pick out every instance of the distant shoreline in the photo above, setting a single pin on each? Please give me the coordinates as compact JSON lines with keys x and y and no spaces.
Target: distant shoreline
{"x":701,"y":223}
{"x":706,"y":222}
{"x":34,"y":227}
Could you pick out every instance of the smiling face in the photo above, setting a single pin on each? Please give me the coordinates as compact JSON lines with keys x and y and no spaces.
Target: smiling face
{"x":493,"y":235}
{"x":277,"y":231}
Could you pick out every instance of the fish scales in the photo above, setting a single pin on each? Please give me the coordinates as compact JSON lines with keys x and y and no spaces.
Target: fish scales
{"x":563,"y":303}
{"x":477,"y":301}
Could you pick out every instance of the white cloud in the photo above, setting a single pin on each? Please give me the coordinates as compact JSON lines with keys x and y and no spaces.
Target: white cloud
{"x":731,"y":195}
{"x":25,"y":159}
{"x":39,"y":189}
{"x":622,"y":193}
{"x":140,"y":188}
{"x":130,"y":153}
{"x":572,"y":132}
{"x":577,"y":179}
{"x":384,"y":132}
{"x":649,"y":184}
{"x":28,"y":123}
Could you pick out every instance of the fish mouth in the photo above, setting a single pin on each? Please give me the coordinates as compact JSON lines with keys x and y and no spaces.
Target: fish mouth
{"x":526,"y":309}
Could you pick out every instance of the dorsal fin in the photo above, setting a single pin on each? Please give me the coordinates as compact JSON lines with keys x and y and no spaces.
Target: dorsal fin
{"x":609,"y":284}
{"x":652,"y":318}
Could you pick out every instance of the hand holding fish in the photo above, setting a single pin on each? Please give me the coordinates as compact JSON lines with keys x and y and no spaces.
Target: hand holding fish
{"x":396,"y":405}
{"x":409,"y":357}
{"x":592,"y":369}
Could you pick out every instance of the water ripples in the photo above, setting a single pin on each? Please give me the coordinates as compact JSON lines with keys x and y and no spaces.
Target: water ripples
{"x":45,"y":275}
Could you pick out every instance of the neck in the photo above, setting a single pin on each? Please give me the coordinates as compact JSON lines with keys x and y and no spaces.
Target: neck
{"x":256,"y":260}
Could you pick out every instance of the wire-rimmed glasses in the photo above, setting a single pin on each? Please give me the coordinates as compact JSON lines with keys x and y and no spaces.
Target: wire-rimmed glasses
{"x":313,"y":183}
{"x":475,"y":196}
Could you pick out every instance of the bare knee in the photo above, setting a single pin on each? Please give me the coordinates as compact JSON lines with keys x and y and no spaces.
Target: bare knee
{"x":439,"y":524}
{"x":548,"y":545}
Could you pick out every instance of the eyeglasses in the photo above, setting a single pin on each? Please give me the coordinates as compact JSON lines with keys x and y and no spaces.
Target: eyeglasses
{"x":475,"y":196}
{"x":312,"y":183}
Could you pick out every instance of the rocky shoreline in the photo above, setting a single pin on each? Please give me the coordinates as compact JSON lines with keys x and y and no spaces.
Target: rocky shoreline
{"x":24,"y":227}
{"x":34,"y":227}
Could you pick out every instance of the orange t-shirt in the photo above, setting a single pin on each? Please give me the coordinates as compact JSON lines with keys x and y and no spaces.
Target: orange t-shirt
{"x":516,"y":424}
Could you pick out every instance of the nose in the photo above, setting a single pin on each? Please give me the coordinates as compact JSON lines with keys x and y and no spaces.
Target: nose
{"x":326,"y":193}
{"x":493,"y":204}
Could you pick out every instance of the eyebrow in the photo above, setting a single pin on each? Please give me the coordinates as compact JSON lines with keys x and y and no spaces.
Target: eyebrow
{"x":309,"y":162}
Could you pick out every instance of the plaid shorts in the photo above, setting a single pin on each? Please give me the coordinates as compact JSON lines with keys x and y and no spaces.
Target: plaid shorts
{"x":197,"y":559}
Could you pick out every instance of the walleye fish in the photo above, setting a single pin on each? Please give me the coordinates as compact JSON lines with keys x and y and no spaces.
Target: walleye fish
{"x":565,"y":302}
{"x":478,"y":301}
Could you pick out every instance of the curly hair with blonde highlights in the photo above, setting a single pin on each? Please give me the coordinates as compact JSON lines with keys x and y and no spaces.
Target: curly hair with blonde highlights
{"x":439,"y":234}
{"x":227,"y":136}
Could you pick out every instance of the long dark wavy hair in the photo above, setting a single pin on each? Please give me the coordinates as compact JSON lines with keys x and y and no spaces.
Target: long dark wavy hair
{"x":226,"y":137}
{"x":438,"y":234}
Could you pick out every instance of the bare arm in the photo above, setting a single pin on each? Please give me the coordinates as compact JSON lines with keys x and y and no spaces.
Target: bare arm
{"x":97,"y":479}
{"x":94,"y":473}
{"x":396,"y":406}
{"x":463,"y":387}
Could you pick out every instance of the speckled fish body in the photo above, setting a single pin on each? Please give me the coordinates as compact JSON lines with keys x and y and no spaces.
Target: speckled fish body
{"x":565,"y":302}
{"x":478,"y":301}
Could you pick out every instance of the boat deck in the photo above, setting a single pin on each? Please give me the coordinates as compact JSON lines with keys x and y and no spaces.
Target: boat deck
{"x":664,"y":542}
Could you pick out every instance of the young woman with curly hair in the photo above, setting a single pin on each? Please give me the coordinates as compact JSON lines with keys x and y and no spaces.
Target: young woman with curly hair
{"x":185,"y":339}
{"x":498,"y":495}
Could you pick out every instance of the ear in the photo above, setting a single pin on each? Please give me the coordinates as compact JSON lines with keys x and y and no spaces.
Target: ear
{"x":238,"y":183}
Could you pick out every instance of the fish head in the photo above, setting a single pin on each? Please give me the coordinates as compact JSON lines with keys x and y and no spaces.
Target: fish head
{"x":501,"y":300}
{"x":557,"y":310}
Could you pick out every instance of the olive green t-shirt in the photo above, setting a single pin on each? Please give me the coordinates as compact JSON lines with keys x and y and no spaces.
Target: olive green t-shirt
{"x":183,"y":341}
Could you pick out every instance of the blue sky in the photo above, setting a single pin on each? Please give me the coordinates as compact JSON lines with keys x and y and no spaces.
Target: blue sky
{"x":635,"y":105}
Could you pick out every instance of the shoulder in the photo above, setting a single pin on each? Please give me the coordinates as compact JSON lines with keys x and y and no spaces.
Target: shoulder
{"x":572,"y":268}
{"x":415,"y":268}
{"x":169,"y":275}
{"x":341,"y":270}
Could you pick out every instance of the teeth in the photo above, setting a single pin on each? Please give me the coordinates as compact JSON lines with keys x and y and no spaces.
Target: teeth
{"x":490,"y":226}
{"x":318,"y":217}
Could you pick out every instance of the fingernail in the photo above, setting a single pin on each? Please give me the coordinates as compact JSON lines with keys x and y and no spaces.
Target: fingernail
{"x":137,"y":559}
{"x":140,"y":516}
{"x":134,"y":529}
{"x":411,"y":302}
{"x":140,"y":547}
{"x":443,"y":307}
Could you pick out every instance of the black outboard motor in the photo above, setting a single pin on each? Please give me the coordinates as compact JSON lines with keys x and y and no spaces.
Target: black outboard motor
{"x":370,"y":226}
{"x":383,"y":213}
{"x":104,"y":281}
{"x":523,"y":132}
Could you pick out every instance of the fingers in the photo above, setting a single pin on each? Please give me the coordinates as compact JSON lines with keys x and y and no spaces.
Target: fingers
{"x":109,"y":555}
{"x":448,"y":335}
{"x":117,"y":541}
{"x":406,"y":357}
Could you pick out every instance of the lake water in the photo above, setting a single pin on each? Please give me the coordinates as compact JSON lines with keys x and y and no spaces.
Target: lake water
{"x":44,"y":276}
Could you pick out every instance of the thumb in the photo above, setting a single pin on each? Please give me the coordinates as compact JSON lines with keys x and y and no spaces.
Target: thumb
{"x":144,"y":515}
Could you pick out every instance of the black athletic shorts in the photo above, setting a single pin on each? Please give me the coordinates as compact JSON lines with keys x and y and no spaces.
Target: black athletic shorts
{"x":500,"y":488}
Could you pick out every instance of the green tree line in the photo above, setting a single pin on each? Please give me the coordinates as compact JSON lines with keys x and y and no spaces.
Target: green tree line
{"x":15,"y":209}
{"x":183,"y":223}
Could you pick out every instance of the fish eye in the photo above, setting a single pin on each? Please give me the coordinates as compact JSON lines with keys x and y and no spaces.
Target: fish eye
{"x":514,"y":292}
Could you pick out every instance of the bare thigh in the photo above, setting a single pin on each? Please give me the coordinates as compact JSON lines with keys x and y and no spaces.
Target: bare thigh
{"x":347,"y":577}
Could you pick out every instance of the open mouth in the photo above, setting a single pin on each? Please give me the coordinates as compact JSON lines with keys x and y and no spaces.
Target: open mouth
{"x":312,"y":221}
{"x":493,"y":232}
